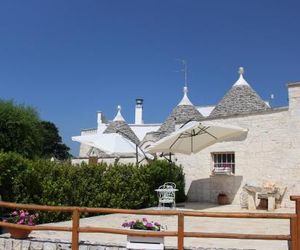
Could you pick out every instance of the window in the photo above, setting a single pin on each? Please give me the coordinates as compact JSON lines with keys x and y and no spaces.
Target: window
{"x":224,"y":163}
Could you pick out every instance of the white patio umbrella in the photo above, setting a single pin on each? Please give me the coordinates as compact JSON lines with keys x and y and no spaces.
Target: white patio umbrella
{"x":193,"y":137}
{"x":111,"y":143}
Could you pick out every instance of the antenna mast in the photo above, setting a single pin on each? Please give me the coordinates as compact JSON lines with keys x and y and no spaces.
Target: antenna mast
{"x":184,"y":70}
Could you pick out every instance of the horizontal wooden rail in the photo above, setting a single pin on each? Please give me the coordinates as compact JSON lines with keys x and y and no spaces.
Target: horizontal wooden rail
{"x":149,"y":212}
{"x":37,"y":228}
{"x":126,"y":211}
{"x":126,"y":231}
{"x":85,"y":209}
{"x":240,"y":215}
{"x":295,"y":197}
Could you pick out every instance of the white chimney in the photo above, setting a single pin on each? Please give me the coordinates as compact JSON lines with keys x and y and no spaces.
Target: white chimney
{"x":100,"y":121}
{"x":139,"y":111}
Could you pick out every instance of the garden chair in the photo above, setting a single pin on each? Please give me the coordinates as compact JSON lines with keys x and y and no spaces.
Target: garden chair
{"x":166,"y":195}
{"x":171,"y":185}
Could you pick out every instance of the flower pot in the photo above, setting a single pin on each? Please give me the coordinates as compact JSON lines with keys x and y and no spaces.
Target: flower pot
{"x":18,"y":233}
{"x":144,"y":242}
{"x":223,"y":199}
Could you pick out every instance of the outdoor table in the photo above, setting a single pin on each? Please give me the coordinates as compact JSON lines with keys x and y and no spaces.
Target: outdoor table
{"x":261,"y":193}
{"x":269,"y":197}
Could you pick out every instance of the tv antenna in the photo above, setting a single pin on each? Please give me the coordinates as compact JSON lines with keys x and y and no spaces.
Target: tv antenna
{"x":184,"y":70}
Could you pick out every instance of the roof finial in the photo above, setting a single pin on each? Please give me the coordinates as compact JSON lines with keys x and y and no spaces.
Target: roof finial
{"x":241,"y":70}
{"x":185,"y":100}
{"x":119,"y":116}
{"x":241,"y":80}
{"x":185,"y":90}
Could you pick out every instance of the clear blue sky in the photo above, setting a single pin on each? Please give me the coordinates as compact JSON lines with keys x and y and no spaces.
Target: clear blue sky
{"x":69,"y":59}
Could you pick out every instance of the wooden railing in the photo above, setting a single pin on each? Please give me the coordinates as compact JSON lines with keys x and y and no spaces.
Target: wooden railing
{"x":293,"y":237}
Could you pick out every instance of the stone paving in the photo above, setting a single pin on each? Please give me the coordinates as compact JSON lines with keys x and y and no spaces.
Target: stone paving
{"x":253,"y":226}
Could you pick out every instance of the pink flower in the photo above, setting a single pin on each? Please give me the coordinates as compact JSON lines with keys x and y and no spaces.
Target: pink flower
{"x":14,"y":213}
{"x":22,"y":214}
{"x":21,"y":221}
{"x":22,"y":217}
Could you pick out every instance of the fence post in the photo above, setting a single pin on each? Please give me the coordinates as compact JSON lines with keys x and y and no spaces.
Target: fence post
{"x":180,"y":236}
{"x":297,"y":246}
{"x":75,"y":226}
{"x":295,"y":233}
{"x":293,"y":244}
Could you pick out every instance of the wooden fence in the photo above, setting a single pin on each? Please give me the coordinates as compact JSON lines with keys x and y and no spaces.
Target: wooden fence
{"x":293,"y":237}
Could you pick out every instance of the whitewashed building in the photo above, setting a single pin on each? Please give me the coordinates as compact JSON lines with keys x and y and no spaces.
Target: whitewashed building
{"x":269,"y":152}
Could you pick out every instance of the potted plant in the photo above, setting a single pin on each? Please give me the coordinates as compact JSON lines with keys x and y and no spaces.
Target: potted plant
{"x":21,"y":217}
{"x":144,"y":242}
{"x":222,"y":199}
{"x":143,"y":224}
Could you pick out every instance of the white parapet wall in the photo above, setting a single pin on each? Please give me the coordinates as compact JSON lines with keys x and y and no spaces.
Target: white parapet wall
{"x":13,"y":244}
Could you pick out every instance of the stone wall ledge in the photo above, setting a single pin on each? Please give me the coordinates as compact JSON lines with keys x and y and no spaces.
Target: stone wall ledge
{"x":7,"y":243}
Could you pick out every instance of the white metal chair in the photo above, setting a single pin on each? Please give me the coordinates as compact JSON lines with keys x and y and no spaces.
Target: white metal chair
{"x":166,"y":195}
{"x":170,"y":185}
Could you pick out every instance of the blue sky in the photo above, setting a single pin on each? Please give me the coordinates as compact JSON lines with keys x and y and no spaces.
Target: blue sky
{"x":69,"y":58}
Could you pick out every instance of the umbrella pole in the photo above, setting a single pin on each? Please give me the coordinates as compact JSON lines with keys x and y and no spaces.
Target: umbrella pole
{"x":136,"y":155}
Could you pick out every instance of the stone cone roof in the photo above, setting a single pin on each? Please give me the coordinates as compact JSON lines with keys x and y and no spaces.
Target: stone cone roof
{"x":118,"y":125}
{"x":123,"y":129}
{"x":240,"y":99}
{"x":180,"y":114}
{"x":185,"y":111}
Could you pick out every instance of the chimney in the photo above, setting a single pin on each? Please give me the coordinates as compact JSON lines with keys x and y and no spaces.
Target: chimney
{"x":100,"y":121}
{"x":139,"y":111}
{"x":294,"y":98}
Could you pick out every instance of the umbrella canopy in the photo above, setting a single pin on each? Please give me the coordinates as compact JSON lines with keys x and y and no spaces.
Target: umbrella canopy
{"x":111,"y":143}
{"x":193,"y":137}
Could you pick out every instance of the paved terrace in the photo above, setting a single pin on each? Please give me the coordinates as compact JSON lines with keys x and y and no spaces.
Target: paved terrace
{"x":253,"y":226}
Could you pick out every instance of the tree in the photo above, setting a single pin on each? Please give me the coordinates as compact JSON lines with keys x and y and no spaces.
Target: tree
{"x":20,"y":129}
{"x":52,"y":145}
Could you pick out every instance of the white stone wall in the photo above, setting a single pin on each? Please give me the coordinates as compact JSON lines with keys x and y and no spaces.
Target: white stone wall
{"x":84,"y":149}
{"x":7,"y":243}
{"x":107,"y":160}
{"x":270,"y":151}
{"x":36,"y":244}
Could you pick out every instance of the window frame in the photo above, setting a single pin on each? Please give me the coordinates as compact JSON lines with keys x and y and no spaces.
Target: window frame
{"x":228,"y":163}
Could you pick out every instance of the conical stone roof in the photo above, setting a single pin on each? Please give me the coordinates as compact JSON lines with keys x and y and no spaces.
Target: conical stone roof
{"x":119,"y":125}
{"x":185,"y":111}
{"x":240,"y":99}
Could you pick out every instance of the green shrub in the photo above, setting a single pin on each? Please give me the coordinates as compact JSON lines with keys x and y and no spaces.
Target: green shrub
{"x":102,"y":185}
{"x":11,"y":166}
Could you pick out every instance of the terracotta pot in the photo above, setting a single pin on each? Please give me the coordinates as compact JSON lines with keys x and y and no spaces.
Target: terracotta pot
{"x":223,"y":199}
{"x":18,"y":233}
